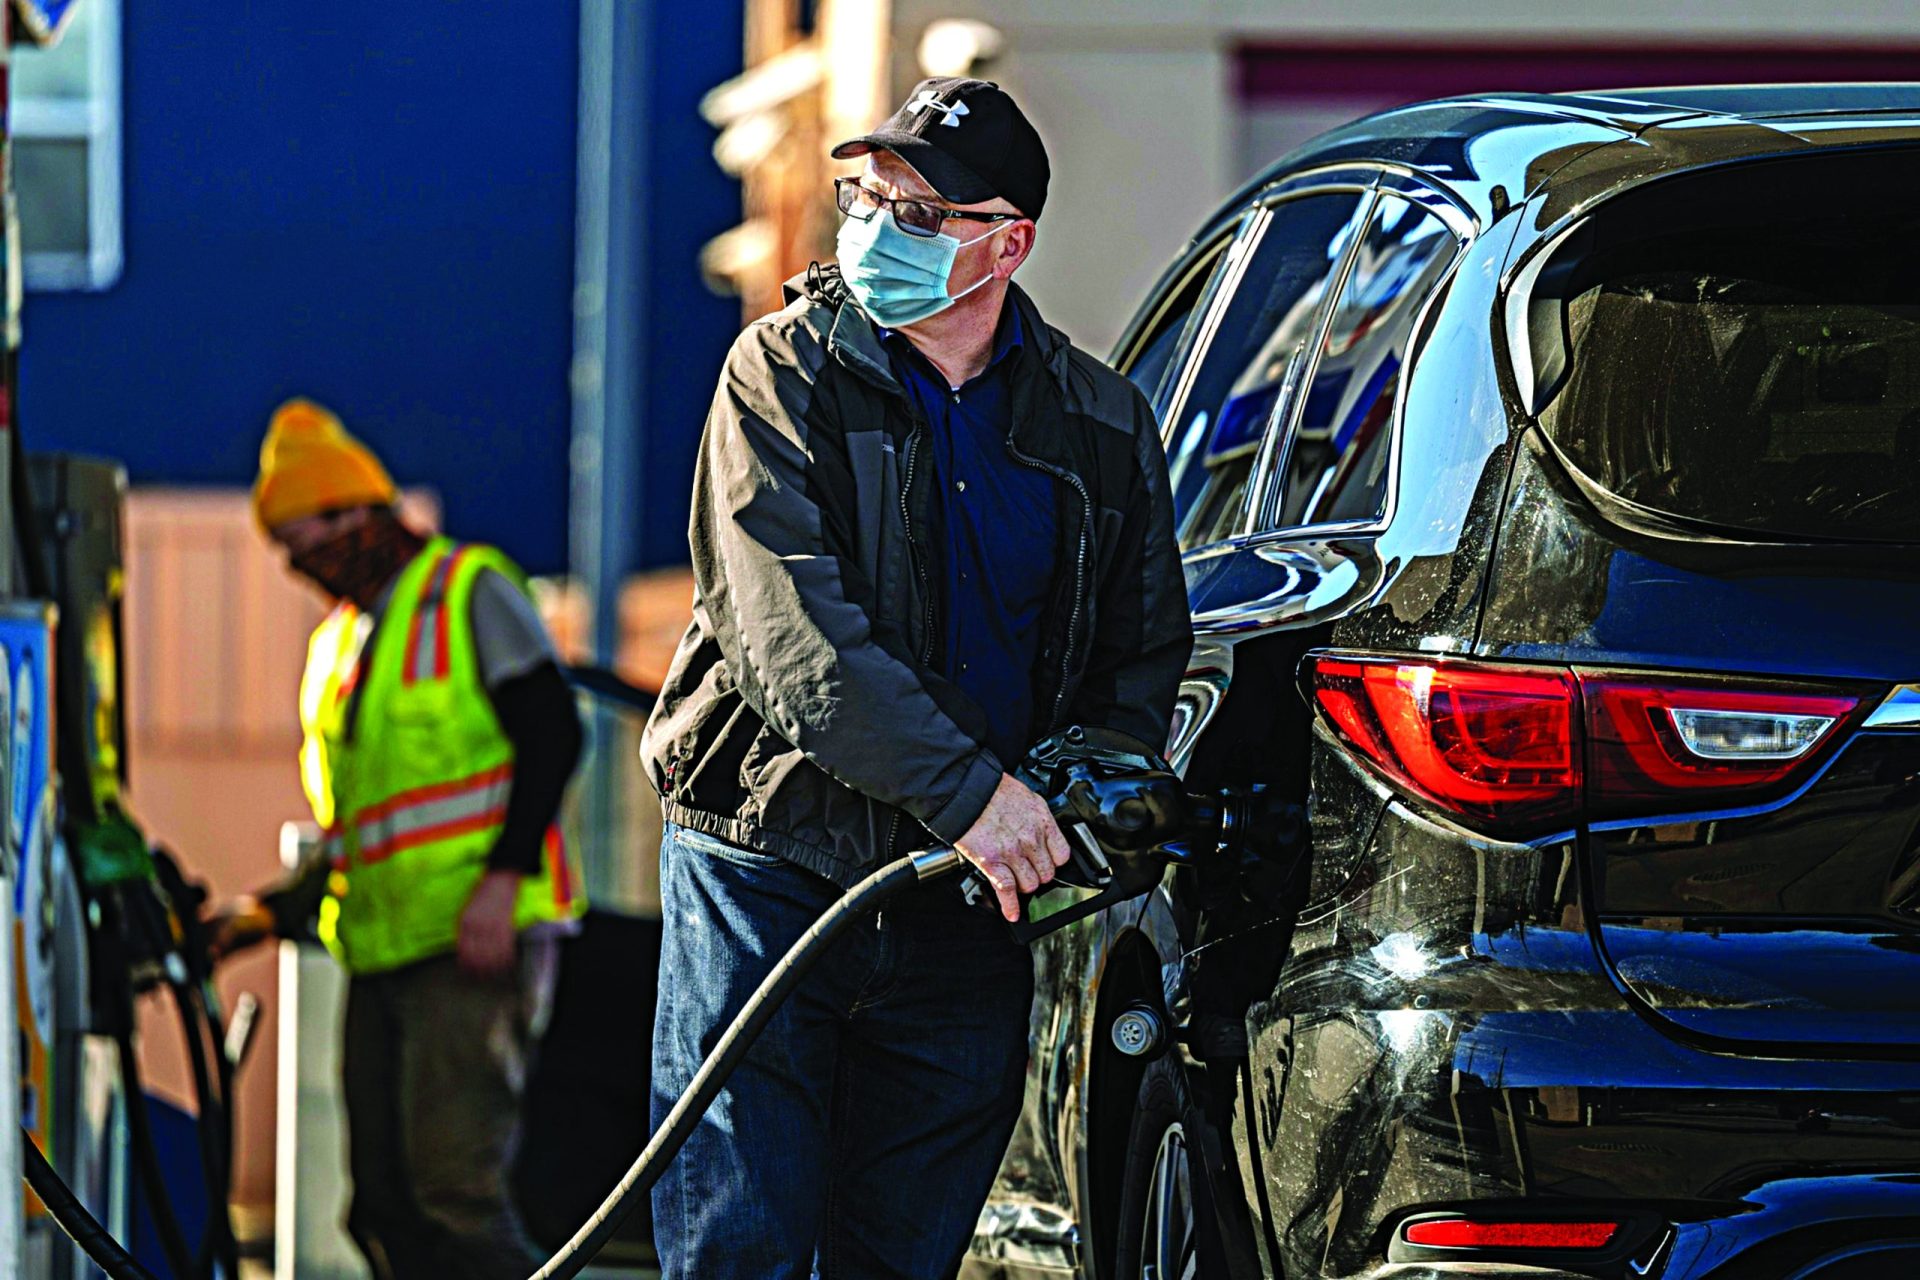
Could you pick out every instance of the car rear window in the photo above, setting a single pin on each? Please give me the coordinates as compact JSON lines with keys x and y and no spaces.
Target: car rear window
{"x":1744,"y":349}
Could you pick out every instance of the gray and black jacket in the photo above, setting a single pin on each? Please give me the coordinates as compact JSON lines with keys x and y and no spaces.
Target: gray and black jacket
{"x":801,"y":716}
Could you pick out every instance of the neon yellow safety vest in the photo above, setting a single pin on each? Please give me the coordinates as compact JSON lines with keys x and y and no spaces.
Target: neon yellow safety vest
{"x":408,"y":770}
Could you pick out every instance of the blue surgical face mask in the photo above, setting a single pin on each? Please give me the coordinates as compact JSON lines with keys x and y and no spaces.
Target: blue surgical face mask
{"x":896,"y":278}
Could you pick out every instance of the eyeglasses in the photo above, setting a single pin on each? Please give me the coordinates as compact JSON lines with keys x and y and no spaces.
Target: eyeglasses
{"x":915,"y":217}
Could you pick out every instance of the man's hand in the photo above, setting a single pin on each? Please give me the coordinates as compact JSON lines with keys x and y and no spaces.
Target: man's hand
{"x":487,"y":937}
{"x":1016,"y":844}
{"x":240,"y":924}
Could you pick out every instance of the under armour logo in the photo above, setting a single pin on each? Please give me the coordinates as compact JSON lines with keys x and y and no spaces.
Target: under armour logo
{"x":951,"y":110}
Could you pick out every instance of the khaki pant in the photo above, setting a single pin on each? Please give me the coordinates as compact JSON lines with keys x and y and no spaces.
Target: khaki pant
{"x":433,"y":1068}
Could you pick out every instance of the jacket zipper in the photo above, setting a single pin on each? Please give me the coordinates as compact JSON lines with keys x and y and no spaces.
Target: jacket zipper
{"x":1079,"y":570}
{"x":926,"y":591}
{"x":913,"y":550}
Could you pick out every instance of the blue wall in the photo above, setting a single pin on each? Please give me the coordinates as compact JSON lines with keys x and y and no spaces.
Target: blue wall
{"x":372,"y":204}
{"x":694,"y":48}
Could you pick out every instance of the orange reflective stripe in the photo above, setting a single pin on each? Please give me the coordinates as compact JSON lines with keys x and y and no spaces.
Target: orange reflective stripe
{"x":400,"y":842}
{"x":436,"y":812}
{"x":409,"y":662}
{"x":348,"y":685}
{"x":434,"y":791}
{"x":441,"y":656}
{"x":429,"y":626}
{"x":557,"y":867}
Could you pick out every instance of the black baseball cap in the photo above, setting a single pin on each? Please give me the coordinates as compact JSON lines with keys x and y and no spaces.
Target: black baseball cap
{"x":968,"y":140}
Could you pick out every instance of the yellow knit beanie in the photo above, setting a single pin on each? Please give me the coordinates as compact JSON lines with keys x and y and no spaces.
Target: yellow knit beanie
{"x":309,"y":464}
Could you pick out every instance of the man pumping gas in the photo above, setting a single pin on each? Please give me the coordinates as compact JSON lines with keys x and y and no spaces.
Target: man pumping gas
{"x":439,"y":737}
{"x":927,"y":532}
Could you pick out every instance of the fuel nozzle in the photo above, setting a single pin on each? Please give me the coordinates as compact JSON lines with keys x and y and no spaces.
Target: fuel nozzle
{"x":1116,"y":800}
{"x":1127,"y":815}
{"x":134,"y":936}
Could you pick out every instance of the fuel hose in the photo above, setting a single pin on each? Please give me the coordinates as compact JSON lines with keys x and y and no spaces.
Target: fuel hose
{"x":146,"y":1159}
{"x":201,"y":1035}
{"x":746,"y":1027}
{"x":94,"y":1240}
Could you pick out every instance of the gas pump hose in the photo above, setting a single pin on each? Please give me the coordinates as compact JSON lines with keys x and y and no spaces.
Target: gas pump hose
{"x":867,"y":896}
{"x":200,"y":1033}
{"x":94,"y":1240}
{"x":146,"y":1161}
{"x":593,"y":1234}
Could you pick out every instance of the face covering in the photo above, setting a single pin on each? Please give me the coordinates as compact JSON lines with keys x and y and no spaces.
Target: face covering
{"x":896,"y":278}
{"x":358,"y":564}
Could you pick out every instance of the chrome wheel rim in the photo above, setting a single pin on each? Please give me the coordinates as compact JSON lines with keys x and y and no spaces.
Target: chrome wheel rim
{"x":1167,"y":1236}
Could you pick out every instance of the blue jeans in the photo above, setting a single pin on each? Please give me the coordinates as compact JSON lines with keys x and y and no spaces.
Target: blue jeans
{"x":860,"y":1136}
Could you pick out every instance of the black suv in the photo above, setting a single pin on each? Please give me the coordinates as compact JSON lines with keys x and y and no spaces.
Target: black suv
{"x":1548,"y":472}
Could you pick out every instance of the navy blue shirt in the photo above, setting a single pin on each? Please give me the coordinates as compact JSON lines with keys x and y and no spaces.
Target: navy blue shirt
{"x":992,"y":541}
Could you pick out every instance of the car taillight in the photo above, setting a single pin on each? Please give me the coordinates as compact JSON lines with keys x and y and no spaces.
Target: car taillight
{"x":1495,"y":744}
{"x":1524,"y":751}
{"x":1463,"y":1233}
{"x":1656,"y":746}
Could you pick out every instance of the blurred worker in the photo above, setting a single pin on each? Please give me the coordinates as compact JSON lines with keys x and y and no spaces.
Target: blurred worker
{"x":440,"y":735}
{"x":927,"y":531}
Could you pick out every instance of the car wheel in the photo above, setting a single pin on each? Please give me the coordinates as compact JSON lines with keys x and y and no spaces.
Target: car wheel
{"x":1159,"y":1222}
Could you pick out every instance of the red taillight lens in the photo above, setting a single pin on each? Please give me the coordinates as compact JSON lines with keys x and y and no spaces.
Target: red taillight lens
{"x":1657,"y":746}
{"x":1459,"y":1233}
{"x":1522,"y":752}
{"x":1495,"y":744}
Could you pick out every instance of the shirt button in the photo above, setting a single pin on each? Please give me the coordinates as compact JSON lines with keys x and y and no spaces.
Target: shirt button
{"x":961,"y":485}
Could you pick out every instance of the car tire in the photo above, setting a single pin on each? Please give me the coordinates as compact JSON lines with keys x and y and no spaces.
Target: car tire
{"x":1160,"y":1218}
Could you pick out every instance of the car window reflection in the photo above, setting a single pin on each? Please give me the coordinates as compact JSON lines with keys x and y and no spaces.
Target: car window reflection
{"x":1264,"y":329}
{"x":1337,"y":460}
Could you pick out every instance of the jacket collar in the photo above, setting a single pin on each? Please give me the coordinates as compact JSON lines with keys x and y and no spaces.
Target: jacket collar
{"x":854,"y":339}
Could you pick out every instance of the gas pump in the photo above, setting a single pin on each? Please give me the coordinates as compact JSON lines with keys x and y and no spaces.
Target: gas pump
{"x":141,"y":915}
{"x":91,"y":916}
